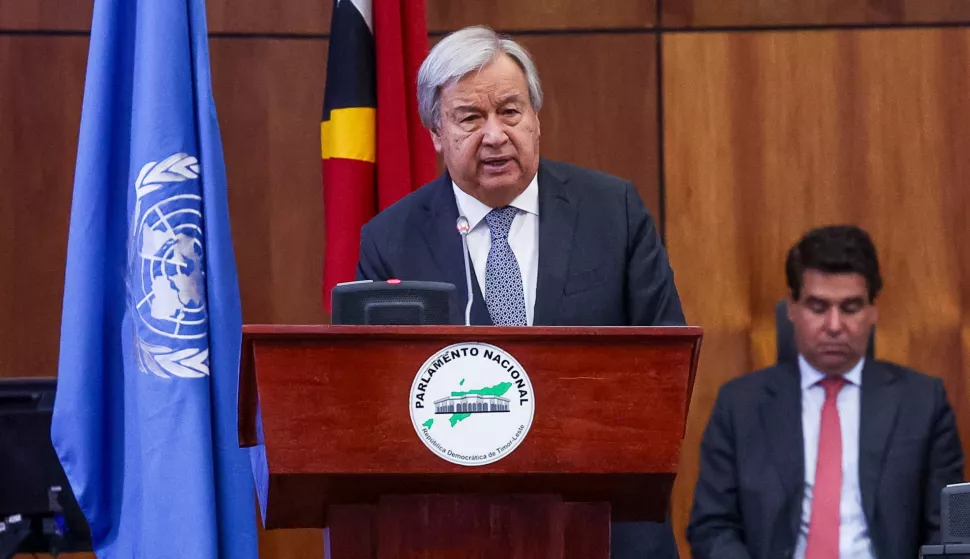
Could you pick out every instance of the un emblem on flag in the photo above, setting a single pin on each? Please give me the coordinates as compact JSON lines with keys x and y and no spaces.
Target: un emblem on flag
{"x":166,"y":280}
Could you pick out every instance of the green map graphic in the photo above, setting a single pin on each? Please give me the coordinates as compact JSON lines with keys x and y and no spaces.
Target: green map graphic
{"x":498,"y":390}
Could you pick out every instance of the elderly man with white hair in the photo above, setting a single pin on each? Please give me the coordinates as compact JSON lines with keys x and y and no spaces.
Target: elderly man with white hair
{"x":550,"y":243}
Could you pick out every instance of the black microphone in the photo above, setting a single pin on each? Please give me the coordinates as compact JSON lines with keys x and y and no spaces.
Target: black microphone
{"x":463,"y":229}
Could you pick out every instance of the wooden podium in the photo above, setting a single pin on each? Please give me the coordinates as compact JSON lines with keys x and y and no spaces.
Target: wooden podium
{"x":330,"y":406}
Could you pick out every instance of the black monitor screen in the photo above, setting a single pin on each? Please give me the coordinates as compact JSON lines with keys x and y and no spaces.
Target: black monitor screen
{"x":394,"y":302}
{"x":32,"y":482}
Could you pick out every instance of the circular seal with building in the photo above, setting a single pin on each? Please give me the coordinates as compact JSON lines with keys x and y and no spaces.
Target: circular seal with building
{"x":472,"y":403}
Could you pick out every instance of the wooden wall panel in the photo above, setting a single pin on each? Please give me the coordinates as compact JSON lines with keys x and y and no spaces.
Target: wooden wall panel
{"x":41,"y":81}
{"x":600,"y":106}
{"x":224,"y":16}
{"x":769,"y":134}
{"x":312,"y":17}
{"x":35,"y":15}
{"x":269,"y":95}
{"x":511,"y":15}
{"x":753,"y":13}
{"x":261,"y":16}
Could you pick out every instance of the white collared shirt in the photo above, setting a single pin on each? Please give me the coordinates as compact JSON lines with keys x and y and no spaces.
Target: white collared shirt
{"x":854,"y":542}
{"x":523,"y":238}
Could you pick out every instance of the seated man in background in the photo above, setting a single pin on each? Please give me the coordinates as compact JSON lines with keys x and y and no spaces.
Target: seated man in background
{"x":834,"y":456}
{"x":549,"y":243}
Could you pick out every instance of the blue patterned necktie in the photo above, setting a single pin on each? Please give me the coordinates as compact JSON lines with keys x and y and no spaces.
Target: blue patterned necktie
{"x":504,"y":294}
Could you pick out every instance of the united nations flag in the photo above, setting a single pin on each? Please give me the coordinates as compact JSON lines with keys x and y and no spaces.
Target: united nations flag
{"x":145,"y":413}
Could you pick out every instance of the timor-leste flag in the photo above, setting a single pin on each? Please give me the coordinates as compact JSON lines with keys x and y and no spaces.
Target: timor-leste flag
{"x":374,"y":148}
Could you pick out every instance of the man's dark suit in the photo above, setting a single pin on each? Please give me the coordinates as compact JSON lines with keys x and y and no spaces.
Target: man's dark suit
{"x":748,"y":499}
{"x":601,"y":263}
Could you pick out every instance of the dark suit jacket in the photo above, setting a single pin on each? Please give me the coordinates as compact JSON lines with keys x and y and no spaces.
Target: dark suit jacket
{"x":748,"y":499}
{"x":601,"y":262}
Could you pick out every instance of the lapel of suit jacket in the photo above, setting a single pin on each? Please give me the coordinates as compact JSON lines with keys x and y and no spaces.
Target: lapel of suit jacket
{"x":781,"y":418}
{"x":439,"y":229}
{"x":557,"y":224}
{"x":879,"y":403}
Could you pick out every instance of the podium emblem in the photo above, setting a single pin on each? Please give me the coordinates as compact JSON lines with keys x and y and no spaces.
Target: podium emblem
{"x":472,"y":403}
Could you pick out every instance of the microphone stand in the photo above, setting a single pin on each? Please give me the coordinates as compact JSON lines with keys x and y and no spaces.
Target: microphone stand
{"x":463,"y":231}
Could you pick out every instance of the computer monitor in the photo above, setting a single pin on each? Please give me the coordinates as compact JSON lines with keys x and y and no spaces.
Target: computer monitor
{"x":394,"y":302}
{"x":36,"y":500}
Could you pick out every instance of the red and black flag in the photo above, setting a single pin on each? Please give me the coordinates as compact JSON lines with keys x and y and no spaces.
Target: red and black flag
{"x":374,"y":148}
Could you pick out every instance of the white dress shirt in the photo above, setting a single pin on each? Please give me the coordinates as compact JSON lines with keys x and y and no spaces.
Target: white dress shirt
{"x":523,"y":238}
{"x":854,"y":540}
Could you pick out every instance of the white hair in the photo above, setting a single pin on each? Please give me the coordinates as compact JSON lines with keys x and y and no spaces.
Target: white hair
{"x":460,"y":53}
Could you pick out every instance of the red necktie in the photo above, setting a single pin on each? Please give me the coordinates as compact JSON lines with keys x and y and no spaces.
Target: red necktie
{"x":823,"y":528}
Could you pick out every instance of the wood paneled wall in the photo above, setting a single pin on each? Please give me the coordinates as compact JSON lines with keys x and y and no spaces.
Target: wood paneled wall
{"x":767,"y":131}
{"x":312,"y":17}
{"x":41,"y":82}
{"x":822,"y":13}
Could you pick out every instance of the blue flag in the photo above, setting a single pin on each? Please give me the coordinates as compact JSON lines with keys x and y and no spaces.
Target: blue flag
{"x":145,"y":413}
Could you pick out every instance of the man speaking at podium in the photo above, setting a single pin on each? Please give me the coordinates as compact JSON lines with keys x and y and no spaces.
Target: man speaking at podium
{"x":550,"y":243}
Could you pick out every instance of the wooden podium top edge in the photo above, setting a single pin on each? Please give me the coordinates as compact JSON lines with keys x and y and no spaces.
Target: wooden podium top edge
{"x":311,"y":331}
